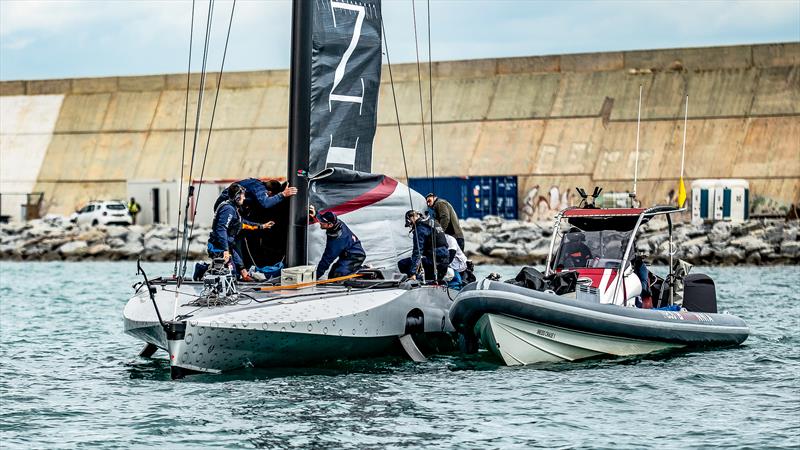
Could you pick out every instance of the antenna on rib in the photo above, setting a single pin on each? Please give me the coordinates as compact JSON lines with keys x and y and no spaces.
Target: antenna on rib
{"x":636,"y":166}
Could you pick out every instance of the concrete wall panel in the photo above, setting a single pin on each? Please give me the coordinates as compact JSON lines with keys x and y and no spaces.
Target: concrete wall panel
{"x":778,"y":91}
{"x":506,"y":147}
{"x":131,"y":111}
{"x":273,"y":110}
{"x":542,"y":118}
{"x":524,"y":96}
{"x":83,"y":113}
{"x":703,"y":58}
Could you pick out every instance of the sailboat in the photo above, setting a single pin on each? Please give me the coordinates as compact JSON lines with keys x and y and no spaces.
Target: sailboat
{"x":218,"y":324}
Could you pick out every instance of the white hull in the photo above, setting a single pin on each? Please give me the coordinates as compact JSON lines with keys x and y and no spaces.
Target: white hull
{"x":521,"y":342}
{"x":290,"y":328}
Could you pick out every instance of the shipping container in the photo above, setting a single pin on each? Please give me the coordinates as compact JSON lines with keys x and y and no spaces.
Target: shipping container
{"x":473,"y":197}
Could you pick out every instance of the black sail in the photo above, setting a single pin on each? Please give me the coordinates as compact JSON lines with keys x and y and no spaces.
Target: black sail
{"x":345,"y":81}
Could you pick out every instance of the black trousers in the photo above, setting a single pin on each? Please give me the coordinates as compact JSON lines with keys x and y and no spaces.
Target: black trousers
{"x":404,"y":265}
{"x":460,"y":242}
{"x":346,"y":265}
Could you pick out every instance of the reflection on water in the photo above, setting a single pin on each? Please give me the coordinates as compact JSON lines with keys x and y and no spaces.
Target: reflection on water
{"x":70,"y":377}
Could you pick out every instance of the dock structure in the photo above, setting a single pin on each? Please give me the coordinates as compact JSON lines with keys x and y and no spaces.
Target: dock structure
{"x":554,"y":121}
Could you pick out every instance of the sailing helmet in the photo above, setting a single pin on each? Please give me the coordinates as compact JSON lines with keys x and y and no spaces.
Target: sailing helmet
{"x":409,"y":214}
{"x":234,"y":190}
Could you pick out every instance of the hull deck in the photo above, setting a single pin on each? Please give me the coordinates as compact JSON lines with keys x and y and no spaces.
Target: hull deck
{"x":283,"y":328}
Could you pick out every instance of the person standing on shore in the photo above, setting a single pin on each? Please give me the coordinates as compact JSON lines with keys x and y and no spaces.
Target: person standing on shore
{"x":133,"y":210}
{"x":446,"y":217}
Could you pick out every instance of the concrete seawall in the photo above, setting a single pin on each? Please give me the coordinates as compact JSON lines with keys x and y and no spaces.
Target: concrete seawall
{"x":555,"y":121}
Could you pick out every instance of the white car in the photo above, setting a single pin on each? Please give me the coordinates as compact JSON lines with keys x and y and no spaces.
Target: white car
{"x":112,"y":212}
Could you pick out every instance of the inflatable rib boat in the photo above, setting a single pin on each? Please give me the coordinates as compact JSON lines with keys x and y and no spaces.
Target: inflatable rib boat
{"x":594,"y":299}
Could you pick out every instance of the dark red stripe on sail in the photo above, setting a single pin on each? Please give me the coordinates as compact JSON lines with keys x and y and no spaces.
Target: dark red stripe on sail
{"x":376,"y":194}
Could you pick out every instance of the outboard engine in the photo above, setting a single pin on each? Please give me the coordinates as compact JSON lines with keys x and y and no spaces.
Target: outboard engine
{"x":699,"y":293}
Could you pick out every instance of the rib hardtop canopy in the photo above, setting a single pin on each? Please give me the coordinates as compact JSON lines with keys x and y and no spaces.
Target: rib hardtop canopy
{"x":602,"y":212}
{"x":619,"y":219}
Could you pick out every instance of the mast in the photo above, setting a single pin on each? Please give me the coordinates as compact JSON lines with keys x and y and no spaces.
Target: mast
{"x":299,"y":131}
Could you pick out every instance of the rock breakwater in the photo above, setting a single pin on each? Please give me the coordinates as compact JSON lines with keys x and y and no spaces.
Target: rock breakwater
{"x":756,"y":242}
{"x":55,"y":238}
{"x":491,"y":240}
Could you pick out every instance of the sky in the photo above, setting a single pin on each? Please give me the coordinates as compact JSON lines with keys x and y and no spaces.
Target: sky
{"x":94,"y":38}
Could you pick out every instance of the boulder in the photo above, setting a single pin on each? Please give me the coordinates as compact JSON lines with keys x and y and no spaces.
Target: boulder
{"x":98,"y":249}
{"x":131,"y":249}
{"x":499,"y":253}
{"x":73,"y":248}
{"x":731,"y":255}
{"x":158,"y":244}
{"x":92,"y":235}
{"x":161,"y":232}
{"x":471,"y":248}
{"x":197,"y":249}
{"x":115,"y":242}
{"x":117,"y":232}
{"x":134,"y":236}
{"x":790,"y":249}
{"x":492,"y":221}
{"x":511,"y":225}
{"x":750,"y":244}
{"x":471,"y":224}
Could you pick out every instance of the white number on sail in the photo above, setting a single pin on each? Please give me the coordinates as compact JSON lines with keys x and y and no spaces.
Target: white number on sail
{"x":339,"y":73}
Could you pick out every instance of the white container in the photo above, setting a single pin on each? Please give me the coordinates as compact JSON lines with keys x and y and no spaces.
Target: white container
{"x":723,"y":199}
{"x":298,"y":274}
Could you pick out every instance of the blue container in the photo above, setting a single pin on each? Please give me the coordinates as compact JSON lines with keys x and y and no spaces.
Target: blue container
{"x":474,"y":197}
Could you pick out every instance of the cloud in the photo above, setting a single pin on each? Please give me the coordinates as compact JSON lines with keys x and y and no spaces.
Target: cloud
{"x":17,"y":43}
{"x":68,"y":38}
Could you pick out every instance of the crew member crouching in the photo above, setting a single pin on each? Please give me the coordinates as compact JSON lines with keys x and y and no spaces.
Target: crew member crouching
{"x":227,"y":224}
{"x":341,"y":243}
{"x":429,"y":243}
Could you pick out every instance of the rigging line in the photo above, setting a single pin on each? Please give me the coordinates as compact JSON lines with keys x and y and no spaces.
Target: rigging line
{"x":433,"y":160}
{"x":419,"y":83}
{"x":183,"y":148}
{"x":201,"y":91}
{"x":399,"y":128}
{"x":397,"y":113}
{"x":211,"y":124}
{"x":430,"y":95}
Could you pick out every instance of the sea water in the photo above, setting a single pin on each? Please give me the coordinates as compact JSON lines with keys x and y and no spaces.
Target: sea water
{"x":69,"y":377}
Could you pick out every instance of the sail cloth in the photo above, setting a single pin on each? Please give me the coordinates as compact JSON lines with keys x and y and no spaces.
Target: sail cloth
{"x":345,"y":81}
{"x":372,"y":205}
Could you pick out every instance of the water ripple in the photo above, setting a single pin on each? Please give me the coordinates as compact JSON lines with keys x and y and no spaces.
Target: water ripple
{"x":69,"y":377}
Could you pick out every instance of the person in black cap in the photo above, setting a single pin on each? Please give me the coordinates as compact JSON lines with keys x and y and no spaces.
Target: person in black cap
{"x":429,"y":243}
{"x":260,"y":195}
{"x":444,"y":214}
{"x":341,"y":243}
{"x":226,"y":226}
{"x":574,"y":252}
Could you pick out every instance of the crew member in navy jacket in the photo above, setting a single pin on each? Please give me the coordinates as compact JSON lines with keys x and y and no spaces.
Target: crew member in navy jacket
{"x":227,"y":224}
{"x":341,"y":243}
{"x":425,"y":247}
{"x":258,"y":194}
